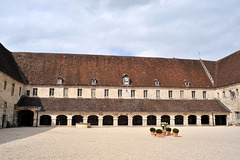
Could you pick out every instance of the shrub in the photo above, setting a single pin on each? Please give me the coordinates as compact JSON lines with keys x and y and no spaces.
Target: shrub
{"x":158,"y":131}
{"x":175,"y":130}
{"x":152,"y":129}
{"x":168,"y":129}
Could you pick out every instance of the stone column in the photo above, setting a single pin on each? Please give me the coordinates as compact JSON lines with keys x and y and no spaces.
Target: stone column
{"x":199,"y":120}
{"x":227,"y":119}
{"x":158,"y":120}
{"x":54,"y":120}
{"x":172,"y":120}
{"x":130,"y":121}
{"x":144,"y":121}
{"x":210,"y":120}
{"x":100,"y":121}
{"x":115,"y":121}
{"x":34,"y":119}
{"x":69,"y":120}
{"x":85,"y":119}
{"x":185,"y":120}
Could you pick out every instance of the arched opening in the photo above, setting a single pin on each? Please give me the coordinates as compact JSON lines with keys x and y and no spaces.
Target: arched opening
{"x":178,"y":120}
{"x":204,"y":119}
{"x":192,"y":119}
{"x":3,"y":120}
{"x":61,"y":120}
{"x":25,"y":118}
{"x":122,"y":120}
{"x":77,"y":119}
{"x":151,"y":120}
{"x":45,"y":120}
{"x":165,"y":118}
{"x":137,"y":120}
{"x":93,"y":120}
{"x":108,"y":120}
{"x":220,"y":120}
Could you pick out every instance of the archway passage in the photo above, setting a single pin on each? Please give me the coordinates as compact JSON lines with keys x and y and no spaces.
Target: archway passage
{"x":108,"y":120}
{"x":220,"y":120}
{"x":165,"y":118}
{"x":93,"y":120}
{"x":77,"y":119}
{"x":3,"y":120}
{"x":192,"y":119}
{"x":61,"y":120}
{"x":178,"y":120}
{"x":122,"y":120}
{"x":137,"y":120}
{"x":25,"y":118}
{"x":45,"y":120}
{"x":204,"y":119}
{"x":151,"y":120}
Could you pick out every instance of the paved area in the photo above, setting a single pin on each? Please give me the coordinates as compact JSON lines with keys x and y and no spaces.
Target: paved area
{"x":118,"y":143}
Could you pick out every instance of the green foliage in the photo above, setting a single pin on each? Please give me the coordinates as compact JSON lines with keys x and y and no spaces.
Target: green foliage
{"x":158,"y":131}
{"x":168,"y":129}
{"x":152,"y":129}
{"x":175,"y":130}
{"x":164,"y":125}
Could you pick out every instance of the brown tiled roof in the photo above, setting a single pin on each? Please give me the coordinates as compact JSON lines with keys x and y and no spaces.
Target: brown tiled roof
{"x":77,"y":69}
{"x":123,"y":105}
{"x":9,"y":66}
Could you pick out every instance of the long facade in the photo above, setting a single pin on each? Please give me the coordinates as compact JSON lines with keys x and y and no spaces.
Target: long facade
{"x":39,"y":89}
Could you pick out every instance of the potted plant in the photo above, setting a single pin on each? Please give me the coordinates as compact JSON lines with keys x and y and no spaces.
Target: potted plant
{"x":152,"y":130}
{"x":175,"y":132}
{"x":159,"y":133}
{"x":164,"y":125}
{"x":168,"y":130}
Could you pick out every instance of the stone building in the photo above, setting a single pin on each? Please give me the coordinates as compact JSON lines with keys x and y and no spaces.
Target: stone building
{"x":65,"y":89}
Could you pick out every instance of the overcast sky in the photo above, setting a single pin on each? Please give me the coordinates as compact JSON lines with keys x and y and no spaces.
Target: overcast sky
{"x":149,"y":28}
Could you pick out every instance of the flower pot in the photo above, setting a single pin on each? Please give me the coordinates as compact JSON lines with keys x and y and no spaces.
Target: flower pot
{"x":159,"y":135}
{"x":164,"y":133}
{"x":175,"y":134}
{"x":153,"y":133}
{"x":168,"y":133}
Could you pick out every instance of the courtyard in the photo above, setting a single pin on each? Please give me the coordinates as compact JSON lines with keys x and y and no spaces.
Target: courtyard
{"x":31,"y":143}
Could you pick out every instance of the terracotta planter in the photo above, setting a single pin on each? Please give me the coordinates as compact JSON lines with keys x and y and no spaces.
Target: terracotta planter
{"x":153,"y":133}
{"x":168,"y":132}
{"x":175,"y":134}
{"x":159,"y":135}
{"x":164,"y":133}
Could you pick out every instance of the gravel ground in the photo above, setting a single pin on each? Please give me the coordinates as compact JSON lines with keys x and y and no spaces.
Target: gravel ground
{"x":118,"y":143}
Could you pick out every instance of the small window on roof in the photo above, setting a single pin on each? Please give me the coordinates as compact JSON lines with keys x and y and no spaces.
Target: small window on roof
{"x":157,"y":83}
{"x":187,"y":84}
{"x":60,"y":81}
{"x":94,"y":81}
{"x":126,"y":80}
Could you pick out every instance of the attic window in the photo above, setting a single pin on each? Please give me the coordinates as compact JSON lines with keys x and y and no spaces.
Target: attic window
{"x":94,"y":81}
{"x":126,"y":80}
{"x":156,"y":82}
{"x":187,"y":84}
{"x":60,"y":81}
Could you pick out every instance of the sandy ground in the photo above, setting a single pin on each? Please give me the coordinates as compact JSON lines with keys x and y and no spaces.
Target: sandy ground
{"x":118,"y":143}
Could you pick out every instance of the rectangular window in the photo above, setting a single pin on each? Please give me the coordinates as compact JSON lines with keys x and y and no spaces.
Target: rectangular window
{"x":65,"y":92}
{"x":204,"y":94}
{"x":193,"y":94}
{"x":79,"y":93}
{"x":13,"y":86}
{"x":224,"y":95}
{"x":93,"y":93}
{"x":51,"y":92}
{"x":181,"y":94}
{"x":106,"y":93}
{"x":35,"y":91}
{"x":119,"y":93}
{"x":5,"y":85}
{"x":132,"y":93}
{"x":28,"y":93}
{"x":20,"y":91}
{"x":157,"y":93}
{"x":170,"y":94}
{"x":145,"y":93}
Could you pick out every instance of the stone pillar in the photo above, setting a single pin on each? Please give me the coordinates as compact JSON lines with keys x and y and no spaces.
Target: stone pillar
{"x":69,"y":120}
{"x":34,"y":119}
{"x":130,"y":121}
{"x":185,"y":120}
{"x":85,"y":120}
{"x":158,"y":120}
{"x":54,"y":120}
{"x":144,"y":121}
{"x":115,"y":121}
{"x":210,"y":120}
{"x":172,"y":120}
{"x":199,"y":120}
{"x":227,"y":119}
{"x":100,"y":121}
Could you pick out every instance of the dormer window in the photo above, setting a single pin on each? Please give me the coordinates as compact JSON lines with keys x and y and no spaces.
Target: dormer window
{"x":126,"y":80}
{"x":60,"y":81}
{"x":157,"y":83}
{"x":94,"y":81}
{"x":187,"y":84}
